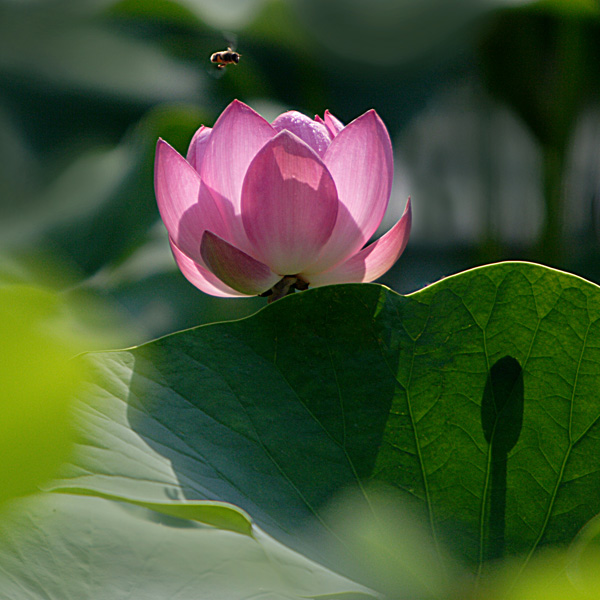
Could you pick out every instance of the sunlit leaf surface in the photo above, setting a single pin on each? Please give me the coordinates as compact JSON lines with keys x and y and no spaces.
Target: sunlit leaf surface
{"x":61,"y":546}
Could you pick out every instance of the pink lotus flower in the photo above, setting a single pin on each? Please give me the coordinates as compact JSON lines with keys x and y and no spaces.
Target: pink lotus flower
{"x":266,"y":208}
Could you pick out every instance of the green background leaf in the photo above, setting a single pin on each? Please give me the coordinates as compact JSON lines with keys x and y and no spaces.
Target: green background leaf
{"x":344,"y":384}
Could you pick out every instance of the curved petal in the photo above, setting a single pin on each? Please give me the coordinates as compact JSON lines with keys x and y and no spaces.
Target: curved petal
{"x":200,"y":277}
{"x":361,"y":162}
{"x":313,"y":133}
{"x":333,"y":123}
{"x":289,"y":204}
{"x":236,"y":137}
{"x":186,"y":207}
{"x":236,"y":268}
{"x":197,"y":147}
{"x":371,"y":262}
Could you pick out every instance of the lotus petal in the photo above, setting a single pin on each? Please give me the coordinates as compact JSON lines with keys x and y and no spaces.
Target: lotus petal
{"x":315,"y":134}
{"x":197,"y":147}
{"x":361,"y":163}
{"x":237,"y":136}
{"x":333,"y":123}
{"x":373,"y":261}
{"x":289,"y":204}
{"x":186,"y":207}
{"x":200,"y":277}
{"x":235,"y":268}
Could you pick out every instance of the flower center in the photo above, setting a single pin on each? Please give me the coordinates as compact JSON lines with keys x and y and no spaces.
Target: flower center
{"x":285,"y":286}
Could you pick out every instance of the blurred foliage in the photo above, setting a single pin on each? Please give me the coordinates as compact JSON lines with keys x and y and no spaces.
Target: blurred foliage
{"x":389,"y":547}
{"x":553,"y":575}
{"x":38,"y":381}
{"x":546,"y":73}
{"x":492,"y":108}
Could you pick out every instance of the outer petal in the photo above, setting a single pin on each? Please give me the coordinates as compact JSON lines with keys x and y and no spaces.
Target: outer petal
{"x":195,"y":153}
{"x":236,"y":268}
{"x":186,"y":208}
{"x":200,"y":277}
{"x":373,"y":261}
{"x":333,"y":123}
{"x":315,"y":134}
{"x":289,"y":204}
{"x":237,"y":136}
{"x":360,"y":160}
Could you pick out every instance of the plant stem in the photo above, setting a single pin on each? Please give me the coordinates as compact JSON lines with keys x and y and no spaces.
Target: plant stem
{"x":551,"y":245}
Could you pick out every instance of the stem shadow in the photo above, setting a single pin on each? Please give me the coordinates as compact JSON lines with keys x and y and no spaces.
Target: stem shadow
{"x":502,"y":420}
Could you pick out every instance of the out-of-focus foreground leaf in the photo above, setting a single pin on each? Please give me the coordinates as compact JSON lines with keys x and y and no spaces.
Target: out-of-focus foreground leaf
{"x":477,"y":398}
{"x":38,"y":379}
{"x":569,"y":573}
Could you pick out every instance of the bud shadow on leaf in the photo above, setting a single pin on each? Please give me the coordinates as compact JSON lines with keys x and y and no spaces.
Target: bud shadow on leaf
{"x":502,"y":409}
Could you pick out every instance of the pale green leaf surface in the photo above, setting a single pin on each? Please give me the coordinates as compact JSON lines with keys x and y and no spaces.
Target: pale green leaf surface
{"x":62,"y":547}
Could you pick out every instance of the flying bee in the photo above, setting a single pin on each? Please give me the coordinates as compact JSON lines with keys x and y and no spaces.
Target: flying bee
{"x":225,"y":57}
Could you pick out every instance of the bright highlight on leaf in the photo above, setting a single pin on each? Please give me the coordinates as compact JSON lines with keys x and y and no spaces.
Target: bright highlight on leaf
{"x":296,"y":200}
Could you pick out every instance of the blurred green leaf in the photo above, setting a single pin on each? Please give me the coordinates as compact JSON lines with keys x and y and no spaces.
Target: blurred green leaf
{"x":277,"y":25}
{"x":218,"y":14}
{"x":167,"y":11}
{"x":224,"y":14}
{"x":38,"y":381}
{"x":388,"y":549}
{"x":553,"y":575}
{"x":540,"y":60}
{"x":389,"y":32}
{"x":541,"y":64}
{"x":19,"y":170}
{"x":61,"y":546}
{"x":50,"y":46}
{"x":158,"y":297}
{"x":99,"y":209}
{"x":566,"y":7}
{"x":477,"y":398}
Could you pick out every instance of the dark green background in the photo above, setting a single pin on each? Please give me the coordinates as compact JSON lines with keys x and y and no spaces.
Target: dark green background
{"x":492,"y":113}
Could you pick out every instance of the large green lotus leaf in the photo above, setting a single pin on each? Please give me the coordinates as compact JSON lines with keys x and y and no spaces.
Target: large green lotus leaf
{"x":477,"y":398}
{"x":60,"y":546}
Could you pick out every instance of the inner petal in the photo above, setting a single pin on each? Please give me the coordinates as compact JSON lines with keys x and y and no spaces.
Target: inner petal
{"x":289,"y":204}
{"x":315,"y":134}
